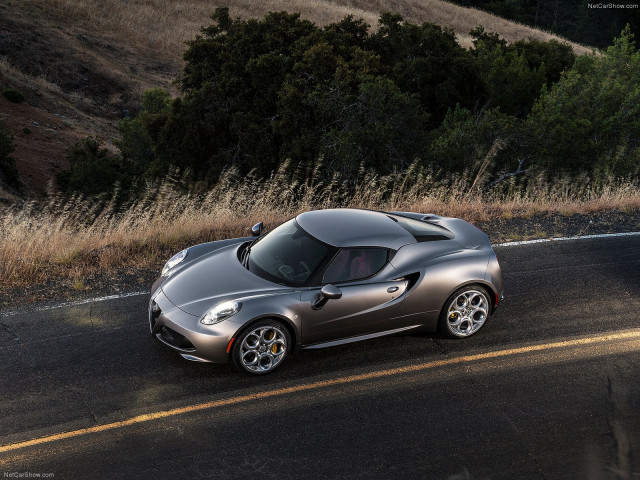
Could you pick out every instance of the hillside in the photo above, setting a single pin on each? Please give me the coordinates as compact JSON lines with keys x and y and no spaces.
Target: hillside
{"x":593,"y":23}
{"x":84,"y":64}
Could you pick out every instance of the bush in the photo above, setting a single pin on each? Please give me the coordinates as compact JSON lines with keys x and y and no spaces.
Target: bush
{"x":590,"y":120}
{"x":93,"y":170}
{"x":465,"y":142}
{"x":13,"y":95}
{"x":8,"y":168}
{"x":514,"y":74}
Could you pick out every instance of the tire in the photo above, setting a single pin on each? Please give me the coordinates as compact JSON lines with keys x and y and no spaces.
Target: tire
{"x":262,"y":347}
{"x":465,"y":312}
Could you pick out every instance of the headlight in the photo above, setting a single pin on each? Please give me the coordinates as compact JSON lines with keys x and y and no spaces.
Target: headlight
{"x":220,"y":312}
{"x":175,"y":260}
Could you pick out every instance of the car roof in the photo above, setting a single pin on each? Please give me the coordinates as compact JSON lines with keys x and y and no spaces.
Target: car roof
{"x":348,"y":227}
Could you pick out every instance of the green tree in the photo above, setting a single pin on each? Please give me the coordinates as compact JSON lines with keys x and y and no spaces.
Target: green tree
{"x":555,"y":56}
{"x":378,"y":126}
{"x":92,"y":169}
{"x":514,"y":74}
{"x":139,"y":134}
{"x":590,"y":120}
{"x":426,"y":60}
{"x":232,"y":77}
{"x":255,"y":94}
{"x":464,"y":141}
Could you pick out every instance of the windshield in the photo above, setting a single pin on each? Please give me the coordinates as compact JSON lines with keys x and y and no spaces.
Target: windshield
{"x":287,"y":255}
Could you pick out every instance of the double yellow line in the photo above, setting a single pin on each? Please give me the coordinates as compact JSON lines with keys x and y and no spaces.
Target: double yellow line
{"x":600,"y":339}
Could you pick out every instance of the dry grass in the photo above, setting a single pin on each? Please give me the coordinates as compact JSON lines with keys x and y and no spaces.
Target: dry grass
{"x":76,"y":238}
{"x":165,"y":25}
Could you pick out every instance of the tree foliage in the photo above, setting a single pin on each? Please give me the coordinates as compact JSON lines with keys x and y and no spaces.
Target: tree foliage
{"x":584,"y":21}
{"x":282,"y":93}
{"x":466,"y":142}
{"x":93,"y":170}
{"x":515,"y":73}
{"x":590,"y":120}
{"x":257,"y":92}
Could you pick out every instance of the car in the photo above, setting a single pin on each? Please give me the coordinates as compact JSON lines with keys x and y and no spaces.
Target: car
{"x":324,"y":278}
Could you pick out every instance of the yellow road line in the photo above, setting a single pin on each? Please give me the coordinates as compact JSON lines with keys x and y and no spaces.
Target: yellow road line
{"x":606,"y":338}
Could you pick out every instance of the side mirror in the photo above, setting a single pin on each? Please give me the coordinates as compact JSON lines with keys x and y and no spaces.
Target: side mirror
{"x":257,"y":229}
{"x":328,"y":292}
{"x":331,"y":292}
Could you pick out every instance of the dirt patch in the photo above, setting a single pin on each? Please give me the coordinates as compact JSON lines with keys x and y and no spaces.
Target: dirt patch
{"x":67,"y":60}
{"x":77,"y":81}
{"x":41,"y":139}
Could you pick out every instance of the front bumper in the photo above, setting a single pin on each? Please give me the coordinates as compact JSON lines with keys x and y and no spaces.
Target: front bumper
{"x":184,"y":332}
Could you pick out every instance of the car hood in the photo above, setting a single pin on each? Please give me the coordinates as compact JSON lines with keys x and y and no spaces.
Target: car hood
{"x":213,"y":278}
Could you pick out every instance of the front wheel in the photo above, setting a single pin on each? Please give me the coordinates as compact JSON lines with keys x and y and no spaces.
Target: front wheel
{"x":465,"y":312}
{"x":262,"y":347}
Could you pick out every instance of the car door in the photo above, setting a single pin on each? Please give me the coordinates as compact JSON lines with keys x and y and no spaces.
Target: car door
{"x":365,"y":305}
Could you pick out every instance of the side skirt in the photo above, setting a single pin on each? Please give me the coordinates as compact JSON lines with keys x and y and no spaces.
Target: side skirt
{"x":368,"y":336}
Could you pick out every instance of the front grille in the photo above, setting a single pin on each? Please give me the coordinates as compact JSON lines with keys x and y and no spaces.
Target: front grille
{"x":174,"y":338}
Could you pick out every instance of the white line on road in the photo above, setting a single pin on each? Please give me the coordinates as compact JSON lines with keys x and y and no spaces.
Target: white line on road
{"x":564,"y":239}
{"x":75,"y":303}
{"x":134,"y":294}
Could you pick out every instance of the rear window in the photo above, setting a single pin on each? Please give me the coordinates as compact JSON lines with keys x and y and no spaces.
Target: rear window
{"x":423,"y":231}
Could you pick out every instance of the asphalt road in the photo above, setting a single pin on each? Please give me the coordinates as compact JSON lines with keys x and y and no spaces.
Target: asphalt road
{"x":548,"y":390}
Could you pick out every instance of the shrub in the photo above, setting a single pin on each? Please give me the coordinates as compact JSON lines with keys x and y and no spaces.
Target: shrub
{"x":8,"y":168}
{"x":13,"y":95}
{"x":92,"y":169}
{"x":590,"y":120}
{"x":470,"y":143}
{"x":514,"y":74}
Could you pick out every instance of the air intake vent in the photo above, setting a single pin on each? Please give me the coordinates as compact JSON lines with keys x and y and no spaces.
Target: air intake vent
{"x":174,"y":338}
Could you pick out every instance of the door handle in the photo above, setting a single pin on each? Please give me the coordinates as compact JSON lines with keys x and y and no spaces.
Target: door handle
{"x":392,"y":289}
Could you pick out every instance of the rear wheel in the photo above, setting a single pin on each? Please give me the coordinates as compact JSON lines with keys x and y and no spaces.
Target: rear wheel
{"x":465,"y":312}
{"x":262,"y":347}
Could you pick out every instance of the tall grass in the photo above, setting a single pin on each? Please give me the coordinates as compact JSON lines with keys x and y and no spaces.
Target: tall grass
{"x":78,"y":237}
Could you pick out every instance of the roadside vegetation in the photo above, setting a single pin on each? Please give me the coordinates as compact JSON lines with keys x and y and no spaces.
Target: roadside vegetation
{"x":256,"y":95}
{"x":8,"y":171}
{"x":74,"y":238}
{"x":275,"y":116}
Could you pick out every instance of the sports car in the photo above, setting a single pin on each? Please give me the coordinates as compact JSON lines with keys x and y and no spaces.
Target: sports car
{"x":324,"y":278}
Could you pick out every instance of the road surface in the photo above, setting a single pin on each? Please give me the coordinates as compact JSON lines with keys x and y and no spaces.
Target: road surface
{"x":549,"y":389}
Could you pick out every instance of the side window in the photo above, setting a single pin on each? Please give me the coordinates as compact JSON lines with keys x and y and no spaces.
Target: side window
{"x":355,"y":263}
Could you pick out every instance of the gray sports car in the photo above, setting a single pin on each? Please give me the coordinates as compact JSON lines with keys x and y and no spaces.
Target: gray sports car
{"x":324,"y":278}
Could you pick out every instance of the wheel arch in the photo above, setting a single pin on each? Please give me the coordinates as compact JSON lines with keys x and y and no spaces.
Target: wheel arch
{"x":490,"y":289}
